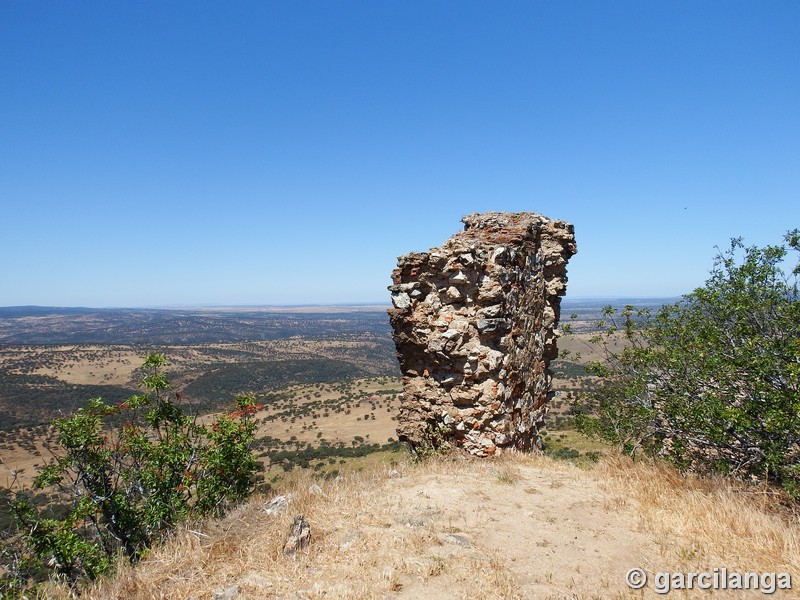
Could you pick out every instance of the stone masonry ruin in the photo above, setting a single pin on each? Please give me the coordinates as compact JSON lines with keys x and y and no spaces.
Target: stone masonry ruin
{"x":475,"y":330}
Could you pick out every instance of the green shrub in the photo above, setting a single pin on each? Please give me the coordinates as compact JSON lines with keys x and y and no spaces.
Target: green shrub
{"x":564,"y":453}
{"x":712,"y":382}
{"x":133,"y":471}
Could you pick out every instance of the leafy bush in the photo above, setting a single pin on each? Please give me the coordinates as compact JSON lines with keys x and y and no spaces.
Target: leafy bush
{"x":564,"y":453}
{"x":712,"y":382}
{"x":133,"y":471}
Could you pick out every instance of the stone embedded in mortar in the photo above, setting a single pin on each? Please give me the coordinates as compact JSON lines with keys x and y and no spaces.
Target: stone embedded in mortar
{"x":475,"y":330}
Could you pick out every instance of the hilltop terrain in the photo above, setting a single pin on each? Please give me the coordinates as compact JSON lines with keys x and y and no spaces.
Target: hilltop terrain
{"x":518,"y":527}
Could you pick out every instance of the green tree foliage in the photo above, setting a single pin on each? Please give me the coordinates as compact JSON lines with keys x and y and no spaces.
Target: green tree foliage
{"x":712,"y":382}
{"x":133,"y":471}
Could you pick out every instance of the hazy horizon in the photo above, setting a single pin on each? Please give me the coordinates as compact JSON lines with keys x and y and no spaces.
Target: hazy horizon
{"x":271,"y":153}
{"x":282,"y":307}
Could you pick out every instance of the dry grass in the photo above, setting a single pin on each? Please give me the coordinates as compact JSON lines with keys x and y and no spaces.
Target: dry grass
{"x":508,"y":473}
{"x":517,"y":527}
{"x":707,"y":522}
{"x":363,"y":547}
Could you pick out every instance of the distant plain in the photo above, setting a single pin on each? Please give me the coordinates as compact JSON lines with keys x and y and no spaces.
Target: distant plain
{"x":328,"y":376}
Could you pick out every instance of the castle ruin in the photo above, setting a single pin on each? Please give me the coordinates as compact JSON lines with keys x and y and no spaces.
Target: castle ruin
{"x":475,"y":329}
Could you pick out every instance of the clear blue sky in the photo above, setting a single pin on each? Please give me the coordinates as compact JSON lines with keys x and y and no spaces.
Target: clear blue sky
{"x":161,"y":153}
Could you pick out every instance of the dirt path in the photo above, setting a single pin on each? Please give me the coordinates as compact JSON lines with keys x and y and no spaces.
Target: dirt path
{"x":555,"y":531}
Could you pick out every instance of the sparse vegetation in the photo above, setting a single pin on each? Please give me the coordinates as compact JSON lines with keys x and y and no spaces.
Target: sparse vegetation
{"x":74,"y":354}
{"x":262,"y":375}
{"x":29,"y":400}
{"x":288,"y":459}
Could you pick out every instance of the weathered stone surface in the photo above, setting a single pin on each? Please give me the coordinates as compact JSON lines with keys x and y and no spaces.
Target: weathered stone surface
{"x":299,"y":537}
{"x":278,"y":504}
{"x":475,"y":330}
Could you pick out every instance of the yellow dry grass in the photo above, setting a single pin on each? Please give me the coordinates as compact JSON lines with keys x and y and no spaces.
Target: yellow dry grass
{"x":716,"y":522}
{"x":516,"y":527}
{"x":361,"y":549}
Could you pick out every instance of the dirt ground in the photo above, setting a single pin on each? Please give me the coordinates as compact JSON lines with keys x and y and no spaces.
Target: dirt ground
{"x":558,"y":533}
{"x":518,"y":527}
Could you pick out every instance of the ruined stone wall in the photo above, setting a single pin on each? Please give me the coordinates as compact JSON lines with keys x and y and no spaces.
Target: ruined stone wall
{"x":475,"y":329}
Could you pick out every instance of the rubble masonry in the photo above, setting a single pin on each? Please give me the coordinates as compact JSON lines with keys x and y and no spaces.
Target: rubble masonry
{"x":475,"y":330}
